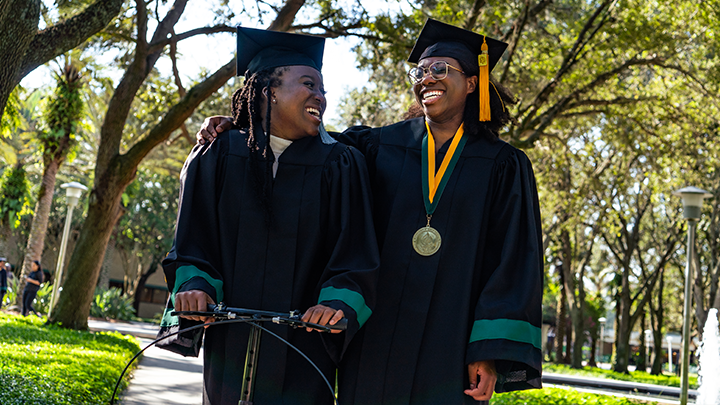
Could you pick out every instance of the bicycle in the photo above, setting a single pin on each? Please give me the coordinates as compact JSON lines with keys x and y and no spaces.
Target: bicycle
{"x":224,"y":315}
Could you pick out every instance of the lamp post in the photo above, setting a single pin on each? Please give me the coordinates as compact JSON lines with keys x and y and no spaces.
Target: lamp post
{"x":602,"y":334}
{"x":692,"y":198}
{"x":73,"y":190}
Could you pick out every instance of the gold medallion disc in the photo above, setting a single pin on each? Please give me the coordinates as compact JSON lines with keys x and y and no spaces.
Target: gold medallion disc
{"x":426,"y":241}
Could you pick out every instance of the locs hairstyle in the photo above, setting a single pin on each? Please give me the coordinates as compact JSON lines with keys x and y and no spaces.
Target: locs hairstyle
{"x":246,"y":110}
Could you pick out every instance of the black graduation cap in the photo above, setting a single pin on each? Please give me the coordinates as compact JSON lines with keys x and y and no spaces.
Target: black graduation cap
{"x":439,"y":39}
{"x":260,"y":49}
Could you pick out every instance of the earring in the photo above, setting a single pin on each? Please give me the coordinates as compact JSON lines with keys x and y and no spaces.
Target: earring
{"x":274,"y":101}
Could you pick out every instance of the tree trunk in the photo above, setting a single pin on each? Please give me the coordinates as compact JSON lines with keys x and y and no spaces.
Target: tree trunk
{"x":641,"y":364}
{"x":104,"y":278}
{"x":576,"y":317}
{"x":36,"y":240}
{"x":593,"y":351}
{"x":568,"y":342}
{"x":141,"y":283}
{"x":656,"y":320}
{"x":656,"y":368}
{"x":575,"y":293}
{"x":698,"y":292}
{"x":560,"y":322}
{"x":622,"y":352}
{"x":18,"y":25}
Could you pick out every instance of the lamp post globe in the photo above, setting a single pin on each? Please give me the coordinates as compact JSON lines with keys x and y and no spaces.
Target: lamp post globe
{"x":73,"y":191}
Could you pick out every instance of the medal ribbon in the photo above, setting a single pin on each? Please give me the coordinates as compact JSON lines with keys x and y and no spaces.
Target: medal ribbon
{"x":434,"y":184}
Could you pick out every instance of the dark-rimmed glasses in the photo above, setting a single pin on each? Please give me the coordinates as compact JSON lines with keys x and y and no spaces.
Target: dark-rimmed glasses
{"x":438,"y":70}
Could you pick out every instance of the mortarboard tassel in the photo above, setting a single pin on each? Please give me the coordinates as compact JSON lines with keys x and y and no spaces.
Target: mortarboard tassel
{"x":484,"y":82}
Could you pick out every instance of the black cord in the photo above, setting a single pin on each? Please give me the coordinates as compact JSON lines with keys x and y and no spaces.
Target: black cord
{"x":117,"y":384}
{"x":236,"y":320}
{"x":332,"y":391}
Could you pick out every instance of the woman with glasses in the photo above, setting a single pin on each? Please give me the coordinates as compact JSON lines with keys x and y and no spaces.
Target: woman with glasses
{"x":458,"y":223}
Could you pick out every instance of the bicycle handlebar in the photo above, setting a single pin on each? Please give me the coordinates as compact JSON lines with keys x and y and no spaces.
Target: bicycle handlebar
{"x":293,"y":318}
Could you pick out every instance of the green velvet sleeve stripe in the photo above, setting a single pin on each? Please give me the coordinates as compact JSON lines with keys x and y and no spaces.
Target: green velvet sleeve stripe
{"x":510,"y":329}
{"x":185,"y":273}
{"x":351,"y":298}
{"x":169,"y":320}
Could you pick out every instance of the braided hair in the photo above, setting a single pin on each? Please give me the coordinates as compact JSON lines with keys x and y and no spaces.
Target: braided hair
{"x":246,"y":111}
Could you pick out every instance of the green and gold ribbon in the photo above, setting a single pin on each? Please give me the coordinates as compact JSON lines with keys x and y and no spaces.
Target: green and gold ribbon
{"x":434,"y":183}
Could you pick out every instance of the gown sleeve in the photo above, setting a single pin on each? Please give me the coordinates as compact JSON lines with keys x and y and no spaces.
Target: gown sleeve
{"x":193,"y":261}
{"x":364,"y":139}
{"x":350,"y":276}
{"x":508,"y":314}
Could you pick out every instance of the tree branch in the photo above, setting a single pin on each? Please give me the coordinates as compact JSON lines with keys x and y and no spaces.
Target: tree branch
{"x":571,"y":58}
{"x":539,"y":123}
{"x":615,"y":101}
{"x":178,"y":114}
{"x":518,"y":27}
{"x":474,"y":14}
{"x":60,"y":38}
{"x":286,"y":15}
{"x":159,"y":45}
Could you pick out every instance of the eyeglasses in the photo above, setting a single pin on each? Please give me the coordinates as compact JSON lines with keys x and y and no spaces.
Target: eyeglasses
{"x":438,"y":70}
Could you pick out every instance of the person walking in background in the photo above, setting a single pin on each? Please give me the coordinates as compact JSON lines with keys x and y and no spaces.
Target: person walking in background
{"x":32,"y":285}
{"x":3,"y":280}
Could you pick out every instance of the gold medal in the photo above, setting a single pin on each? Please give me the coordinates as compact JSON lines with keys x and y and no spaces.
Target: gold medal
{"x":426,"y":241}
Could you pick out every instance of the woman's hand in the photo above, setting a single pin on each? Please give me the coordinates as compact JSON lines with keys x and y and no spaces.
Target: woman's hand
{"x":32,"y":280}
{"x":482,"y":380}
{"x":211,"y":127}
{"x":322,"y":315}
{"x":194,"y":300}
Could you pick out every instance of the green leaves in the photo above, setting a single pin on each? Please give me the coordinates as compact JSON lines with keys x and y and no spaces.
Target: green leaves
{"x":112,"y":304}
{"x":559,"y":396}
{"x":54,"y":366}
{"x":62,"y":115}
{"x":14,"y":196}
{"x":148,"y":224}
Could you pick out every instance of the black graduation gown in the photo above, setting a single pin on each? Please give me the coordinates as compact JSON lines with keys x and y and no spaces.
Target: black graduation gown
{"x":478,"y":298}
{"x":319,"y":248}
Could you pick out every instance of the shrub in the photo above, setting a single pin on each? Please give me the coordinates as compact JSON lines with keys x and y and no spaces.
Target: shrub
{"x":112,"y":304}
{"x":559,"y":396}
{"x":636,"y":376}
{"x":49,"y":365}
{"x":42,"y":300}
{"x":11,"y":294}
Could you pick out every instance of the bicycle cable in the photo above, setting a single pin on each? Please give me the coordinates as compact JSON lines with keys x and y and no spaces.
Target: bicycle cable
{"x":220,"y":322}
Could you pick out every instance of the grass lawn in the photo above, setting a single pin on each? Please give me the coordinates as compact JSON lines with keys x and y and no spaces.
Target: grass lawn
{"x":669,"y":380}
{"x":559,"y":396}
{"x":48,"y":365}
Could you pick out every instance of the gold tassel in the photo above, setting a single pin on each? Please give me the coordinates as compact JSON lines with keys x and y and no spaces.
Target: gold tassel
{"x":484,"y":82}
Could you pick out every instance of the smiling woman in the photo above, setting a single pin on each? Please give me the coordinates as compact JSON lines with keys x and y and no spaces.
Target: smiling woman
{"x":298,"y":103}
{"x":264,"y":223}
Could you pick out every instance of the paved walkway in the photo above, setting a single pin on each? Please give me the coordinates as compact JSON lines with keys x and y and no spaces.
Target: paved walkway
{"x":162,"y":377}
